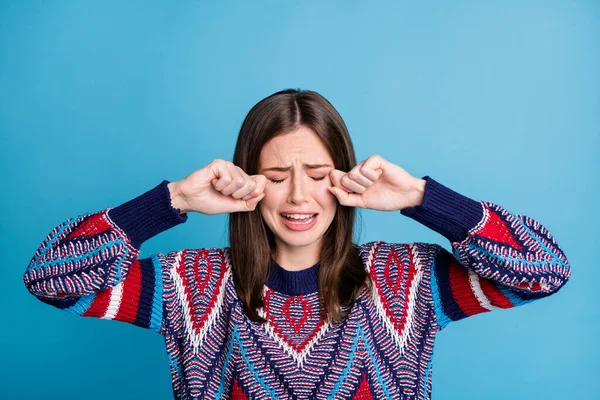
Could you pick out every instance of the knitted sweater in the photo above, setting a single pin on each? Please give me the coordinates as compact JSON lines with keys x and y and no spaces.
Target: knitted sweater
{"x":383,"y":349}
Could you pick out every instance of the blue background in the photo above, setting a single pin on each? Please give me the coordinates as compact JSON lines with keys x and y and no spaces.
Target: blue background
{"x":499,"y":100}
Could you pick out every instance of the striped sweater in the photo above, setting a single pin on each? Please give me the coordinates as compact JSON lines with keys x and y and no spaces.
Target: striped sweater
{"x":89,"y":266}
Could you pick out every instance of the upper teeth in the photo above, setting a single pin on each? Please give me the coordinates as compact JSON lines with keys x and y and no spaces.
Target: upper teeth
{"x":298,"y":216}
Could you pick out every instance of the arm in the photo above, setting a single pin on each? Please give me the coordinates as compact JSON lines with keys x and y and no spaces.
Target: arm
{"x":89,"y":265}
{"x":498,"y":260}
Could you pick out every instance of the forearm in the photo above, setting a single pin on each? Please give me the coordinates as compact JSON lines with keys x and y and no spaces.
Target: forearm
{"x":510,"y":249}
{"x":93,"y":251}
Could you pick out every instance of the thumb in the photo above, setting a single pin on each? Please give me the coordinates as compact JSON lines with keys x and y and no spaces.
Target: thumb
{"x":250,"y":204}
{"x":345,"y":198}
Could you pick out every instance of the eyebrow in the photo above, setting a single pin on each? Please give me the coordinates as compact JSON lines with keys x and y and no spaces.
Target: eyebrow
{"x":311,"y":166}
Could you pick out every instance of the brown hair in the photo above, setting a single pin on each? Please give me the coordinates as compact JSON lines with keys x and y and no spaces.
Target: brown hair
{"x":252,"y":244}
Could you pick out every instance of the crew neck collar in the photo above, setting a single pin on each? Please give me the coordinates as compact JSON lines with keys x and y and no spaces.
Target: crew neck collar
{"x":293,"y":283}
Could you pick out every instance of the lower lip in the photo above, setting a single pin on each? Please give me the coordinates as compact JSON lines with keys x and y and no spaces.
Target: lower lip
{"x":299,"y":227}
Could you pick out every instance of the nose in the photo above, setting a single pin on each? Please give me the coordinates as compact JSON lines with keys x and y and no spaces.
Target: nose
{"x":299,"y":190}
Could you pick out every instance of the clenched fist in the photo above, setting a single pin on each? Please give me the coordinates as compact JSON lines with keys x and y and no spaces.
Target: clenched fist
{"x":219,"y":187}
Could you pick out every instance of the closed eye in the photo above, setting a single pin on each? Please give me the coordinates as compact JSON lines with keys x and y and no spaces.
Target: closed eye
{"x":281,"y":180}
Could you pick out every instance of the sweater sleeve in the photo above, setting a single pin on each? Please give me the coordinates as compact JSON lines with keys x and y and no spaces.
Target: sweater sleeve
{"x":498,"y":260}
{"x":89,"y":265}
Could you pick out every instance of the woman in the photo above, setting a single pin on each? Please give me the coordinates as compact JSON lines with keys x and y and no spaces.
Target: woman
{"x":293,"y":309}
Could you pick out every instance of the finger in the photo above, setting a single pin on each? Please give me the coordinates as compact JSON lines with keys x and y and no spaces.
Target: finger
{"x":341,"y":180}
{"x":260,"y":183}
{"x":248,"y":190}
{"x":335,"y":176}
{"x":352,"y":185}
{"x":250,"y":205}
{"x":237,"y":182}
{"x":356,"y":175}
{"x":347,"y":199}
{"x":220,"y":183}
{"x":223,"y":176}
{"x":372,"y":168}
{"x":248,"y":187}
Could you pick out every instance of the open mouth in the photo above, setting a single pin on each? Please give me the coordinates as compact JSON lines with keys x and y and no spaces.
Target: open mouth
{"x":299,"y":220}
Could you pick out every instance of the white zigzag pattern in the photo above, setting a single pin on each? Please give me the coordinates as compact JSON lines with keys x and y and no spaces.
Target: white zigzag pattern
{"x":399,"y":337}
{"x":196,"y":338}
{"x":299,"y":357}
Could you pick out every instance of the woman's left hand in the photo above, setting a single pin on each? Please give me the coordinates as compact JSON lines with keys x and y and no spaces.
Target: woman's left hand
{"x":377,"y":184}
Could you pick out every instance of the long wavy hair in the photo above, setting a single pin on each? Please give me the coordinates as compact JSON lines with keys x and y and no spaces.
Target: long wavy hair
{"x":252,"y":245}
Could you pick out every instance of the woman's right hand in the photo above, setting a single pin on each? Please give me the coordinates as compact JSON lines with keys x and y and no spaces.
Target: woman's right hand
{"x":219,"y":187}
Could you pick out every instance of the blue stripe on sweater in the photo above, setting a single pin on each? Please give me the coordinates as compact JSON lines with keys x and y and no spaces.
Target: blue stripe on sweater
{"x":538,"y":240}
{"x":351,"y":357}
{"x":82,"y":305}
{"x":514,"y":298}
{"x":506,"y":259}
{"x":441,"y":273}
{"x":65,"y":225}
{"x":386,"y":390}
{"x":249,"y":365}
{"x":427,"y":373}
{"x":84,"y":256}
{"x":226,"y":362}
{"x":157,"y":302}
{"x":441,"y":317}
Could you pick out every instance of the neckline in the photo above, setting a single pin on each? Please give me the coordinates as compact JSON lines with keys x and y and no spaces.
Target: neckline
{"x":293,"y":283}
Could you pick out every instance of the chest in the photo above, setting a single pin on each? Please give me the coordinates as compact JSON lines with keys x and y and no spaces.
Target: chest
{"x":298,"y":355}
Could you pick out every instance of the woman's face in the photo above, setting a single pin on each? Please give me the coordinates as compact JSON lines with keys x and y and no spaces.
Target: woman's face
{"x":297,"y":166}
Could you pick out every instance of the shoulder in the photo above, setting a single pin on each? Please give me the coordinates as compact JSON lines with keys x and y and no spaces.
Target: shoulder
{"x":378,"y":253}
{"x":392,"y":264}
{"x":203,"y":264}
{"x":204,"y":253}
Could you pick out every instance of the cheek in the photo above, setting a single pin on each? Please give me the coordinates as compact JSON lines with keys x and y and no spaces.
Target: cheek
{"x":328,"y":201}
{"x":270,"y":202}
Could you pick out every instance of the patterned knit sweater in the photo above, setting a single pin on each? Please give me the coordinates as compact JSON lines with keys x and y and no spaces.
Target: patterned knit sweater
{"x":89,"y":266}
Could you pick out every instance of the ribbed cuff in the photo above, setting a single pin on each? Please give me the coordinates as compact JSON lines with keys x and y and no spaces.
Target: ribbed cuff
{"x":147,"y":215}
{"x":445,"y":211}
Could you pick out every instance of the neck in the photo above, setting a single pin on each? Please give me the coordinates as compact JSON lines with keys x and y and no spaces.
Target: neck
{"x":297,"y":258}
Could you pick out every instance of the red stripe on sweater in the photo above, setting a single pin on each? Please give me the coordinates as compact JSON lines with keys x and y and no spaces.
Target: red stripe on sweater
{"x":495,"y":228}
{"x":409,"y":282}
{"x":493,"y":294}
{"x":462,"y":291}
{"x":92,"y":226}
{"x":132,"y":288}
{"x":100,"y":304}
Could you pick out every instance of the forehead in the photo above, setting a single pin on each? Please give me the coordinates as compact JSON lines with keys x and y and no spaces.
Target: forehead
{"x":302,"y":146}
